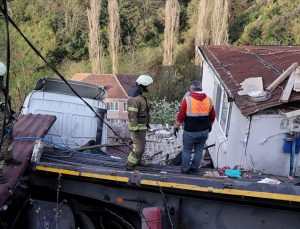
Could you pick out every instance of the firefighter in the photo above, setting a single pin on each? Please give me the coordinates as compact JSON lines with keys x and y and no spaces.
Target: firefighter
{"x":198,"y":114}
{"x":138,"y":120}
{"x":6,"y":149}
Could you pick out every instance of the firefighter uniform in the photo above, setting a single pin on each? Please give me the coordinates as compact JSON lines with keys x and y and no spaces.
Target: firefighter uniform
{"x":6,"y":149}
{"x":138,"y":123}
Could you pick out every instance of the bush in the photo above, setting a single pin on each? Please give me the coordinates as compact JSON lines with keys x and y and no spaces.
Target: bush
{"x":164,"y":112}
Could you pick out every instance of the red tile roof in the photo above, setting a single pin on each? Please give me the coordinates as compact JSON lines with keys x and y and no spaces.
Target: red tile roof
{"x":117,"y":86}
{"x":234,"y":64}
{"x":127,"y":81}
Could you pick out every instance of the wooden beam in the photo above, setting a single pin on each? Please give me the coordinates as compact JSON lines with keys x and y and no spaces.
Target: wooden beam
{"x":288,"y":88}
{"x":292,"y":113}
{"x":297,"y":80}
{"x":282,"y":77}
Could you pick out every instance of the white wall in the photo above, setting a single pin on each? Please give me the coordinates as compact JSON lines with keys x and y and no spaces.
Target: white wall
{"x":208,"y":82}
{"x":265,"y":145}
{"x":229,"y":151}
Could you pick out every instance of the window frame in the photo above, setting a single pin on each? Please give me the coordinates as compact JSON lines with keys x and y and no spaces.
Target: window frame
{"x":125,"y":107}
{"x":114,"y":105}
{"x":220,"y":104}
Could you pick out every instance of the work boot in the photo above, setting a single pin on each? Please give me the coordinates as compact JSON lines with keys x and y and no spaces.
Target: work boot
{"x":129,"y":167}
{"x":143,"y":163}
{"x":185,"y":172}
{"x":12,"y":161}
{"x":2,"y":178}
{"x":193,"y":171}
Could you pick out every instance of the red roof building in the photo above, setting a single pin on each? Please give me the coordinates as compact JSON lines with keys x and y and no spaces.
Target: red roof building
{"x":117,"y":87}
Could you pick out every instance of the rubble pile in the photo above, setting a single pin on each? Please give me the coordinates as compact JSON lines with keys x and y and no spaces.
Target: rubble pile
{"x":161,"y":146}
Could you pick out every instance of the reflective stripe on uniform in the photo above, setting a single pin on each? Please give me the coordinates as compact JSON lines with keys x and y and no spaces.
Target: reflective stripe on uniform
{"x":133,"y":109}
{"x":1,"y":165}
{"x":138,"y":127}
{"x":132,"y":159}
{"x":196,"y":108}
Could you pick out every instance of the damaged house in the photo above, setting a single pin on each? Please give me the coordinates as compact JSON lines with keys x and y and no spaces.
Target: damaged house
{"x":257,"y":99}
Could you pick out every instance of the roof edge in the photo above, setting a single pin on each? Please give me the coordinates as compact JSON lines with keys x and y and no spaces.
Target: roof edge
{"x":202,"y":55}
{"x":120,"y":84}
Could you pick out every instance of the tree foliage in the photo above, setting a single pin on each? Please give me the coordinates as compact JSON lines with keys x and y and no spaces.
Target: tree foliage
{"x":164,"y":112}
{"x":60,"y":30}
{"x":267,"y":22}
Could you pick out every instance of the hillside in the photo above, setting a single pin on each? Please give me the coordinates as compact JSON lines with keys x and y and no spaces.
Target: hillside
{"x":60,"y":30}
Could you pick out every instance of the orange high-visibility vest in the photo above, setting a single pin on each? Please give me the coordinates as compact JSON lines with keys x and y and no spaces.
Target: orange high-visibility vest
{"x":197,"y":107}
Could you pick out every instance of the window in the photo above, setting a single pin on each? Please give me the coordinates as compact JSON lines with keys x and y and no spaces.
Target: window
{"x":125,"y":107}
{"x":222,"y":107}
{"x":113,"y":106}
{"x":113,"y":121}
{"x":117,"y":121}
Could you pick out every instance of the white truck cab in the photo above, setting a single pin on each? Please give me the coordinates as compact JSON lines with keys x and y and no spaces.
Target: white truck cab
{"x":76,"y":123}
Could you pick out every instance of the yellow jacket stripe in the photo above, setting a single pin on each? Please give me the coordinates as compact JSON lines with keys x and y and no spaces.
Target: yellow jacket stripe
{"x":133,"y":109}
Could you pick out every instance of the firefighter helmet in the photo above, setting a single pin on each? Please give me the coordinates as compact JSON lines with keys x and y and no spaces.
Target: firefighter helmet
{"x":144,"y":80}
{"x":2,"y":69}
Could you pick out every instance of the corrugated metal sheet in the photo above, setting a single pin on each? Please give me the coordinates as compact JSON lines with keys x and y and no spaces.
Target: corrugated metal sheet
{"x":234,"y":64}
{"x":31,"y":125}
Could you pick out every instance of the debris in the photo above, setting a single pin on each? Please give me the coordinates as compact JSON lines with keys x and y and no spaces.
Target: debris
{"x":268,"y":181}
{"x":282,"y":77}
{"x":292,"y":113}
{"x":222,"y":170}
{"x":297,"y":80}
{"x":250,"y":85}
{"x":247,"y":175}
{"x":163,"y":133}
{"x":288,"y":88}
{"x":259,"y":96}
{"x":235,"y":173}
{"x":214,"y":174}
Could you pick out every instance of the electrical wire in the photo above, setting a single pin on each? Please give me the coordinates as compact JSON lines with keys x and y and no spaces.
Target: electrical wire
{"x":62,"y":78}
{"x":219,"y":151}
{"x":166,"y":204}
{"x":6,"y":91}
{"x":48,"y":142}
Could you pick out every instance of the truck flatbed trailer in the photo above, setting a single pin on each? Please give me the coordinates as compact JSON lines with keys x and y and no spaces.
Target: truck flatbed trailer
{"x":184,"y":200}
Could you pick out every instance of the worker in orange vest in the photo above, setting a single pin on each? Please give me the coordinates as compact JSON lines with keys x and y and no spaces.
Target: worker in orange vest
{"x":198,"y":114}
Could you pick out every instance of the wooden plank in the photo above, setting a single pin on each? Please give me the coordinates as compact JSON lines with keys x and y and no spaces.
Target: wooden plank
{"x":297,"y":80}
{"x":292,"y":113}
{"x":282,"y":77}
{"x":288,"y":88}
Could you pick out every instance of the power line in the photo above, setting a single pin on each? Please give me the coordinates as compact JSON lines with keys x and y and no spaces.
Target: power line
{"x":60,"y":76}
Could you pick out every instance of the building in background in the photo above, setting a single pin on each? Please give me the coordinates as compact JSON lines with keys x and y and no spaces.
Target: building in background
{"x":117,"y":87}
